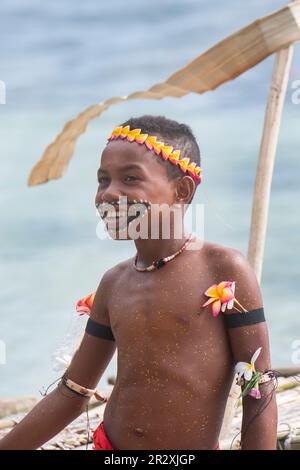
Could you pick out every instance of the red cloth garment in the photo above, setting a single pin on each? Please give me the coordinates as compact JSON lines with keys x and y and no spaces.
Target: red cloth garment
{"x":101,"y":441}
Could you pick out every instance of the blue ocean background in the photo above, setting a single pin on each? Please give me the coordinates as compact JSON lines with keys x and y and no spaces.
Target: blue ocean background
{"x":58,"y":57}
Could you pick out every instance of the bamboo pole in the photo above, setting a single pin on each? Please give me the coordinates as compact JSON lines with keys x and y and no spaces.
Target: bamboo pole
{"x":266,"y":160}
{"x":262,"y":189}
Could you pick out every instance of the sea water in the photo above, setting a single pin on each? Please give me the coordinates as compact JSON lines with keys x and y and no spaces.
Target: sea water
{"x":58,"y":57}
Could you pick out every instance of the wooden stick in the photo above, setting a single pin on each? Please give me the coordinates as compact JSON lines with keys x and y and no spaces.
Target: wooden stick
{"x":266,"y":160}
{"x":263,"y":184}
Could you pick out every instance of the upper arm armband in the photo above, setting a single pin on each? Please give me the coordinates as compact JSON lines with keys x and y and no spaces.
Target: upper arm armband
{"x":252,"y":317}
{"x":100,"y":331}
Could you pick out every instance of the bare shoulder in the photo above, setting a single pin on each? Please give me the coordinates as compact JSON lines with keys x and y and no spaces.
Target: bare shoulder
{"x":224,"y":258}
{"x":220,"y":255}
{"x":230,"y":264}
{"x":113,"y":275}
{"x":106,"y":287}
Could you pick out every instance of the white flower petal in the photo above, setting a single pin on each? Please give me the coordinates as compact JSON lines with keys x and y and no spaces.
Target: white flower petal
{"x":248,"y":374}
{"x":233,"y":287}
{"x":255,"y":355}
{"x":241,"y":367}
{"x":223,"y":308}
{"x":230,"y":304}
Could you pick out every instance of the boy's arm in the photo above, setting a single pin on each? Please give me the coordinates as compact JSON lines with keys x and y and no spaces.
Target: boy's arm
{"x":59,"y":408}
{"x":259,"y":425}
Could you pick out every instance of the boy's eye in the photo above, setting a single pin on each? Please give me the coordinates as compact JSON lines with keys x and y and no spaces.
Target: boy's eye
{"x":103,"y":179}
{"x":130,"y":178}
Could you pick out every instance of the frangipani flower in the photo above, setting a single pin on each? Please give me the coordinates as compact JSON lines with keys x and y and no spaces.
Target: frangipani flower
{"x":221,"y":296}
{"x":245,"y":369}
{"x":84,"y":306}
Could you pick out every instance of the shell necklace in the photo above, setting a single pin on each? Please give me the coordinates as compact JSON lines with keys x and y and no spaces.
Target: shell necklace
{"x":162,"y":261}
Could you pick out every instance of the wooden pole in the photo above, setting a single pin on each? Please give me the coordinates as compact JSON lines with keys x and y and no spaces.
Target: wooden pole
{"x":266,"y":159}
{"x":262,"y":189}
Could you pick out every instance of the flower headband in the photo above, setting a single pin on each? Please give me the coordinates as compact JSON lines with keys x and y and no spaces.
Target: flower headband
{"x":165,"y":151}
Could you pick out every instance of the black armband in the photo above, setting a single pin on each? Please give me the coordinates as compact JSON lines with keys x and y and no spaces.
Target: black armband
{"x":245,"y":319}
{"x":100,"y":331}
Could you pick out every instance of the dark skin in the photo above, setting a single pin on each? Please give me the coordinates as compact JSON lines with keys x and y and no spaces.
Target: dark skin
{"x":175,"y":360}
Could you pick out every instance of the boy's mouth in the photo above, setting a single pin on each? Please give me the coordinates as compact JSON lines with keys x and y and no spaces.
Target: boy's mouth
{"x":121,"y":213}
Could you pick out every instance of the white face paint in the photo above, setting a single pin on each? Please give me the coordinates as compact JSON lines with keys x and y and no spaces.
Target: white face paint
{"x":123,"y":215}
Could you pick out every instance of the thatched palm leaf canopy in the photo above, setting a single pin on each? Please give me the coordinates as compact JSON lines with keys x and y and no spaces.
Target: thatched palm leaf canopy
{"x":223,"y":62}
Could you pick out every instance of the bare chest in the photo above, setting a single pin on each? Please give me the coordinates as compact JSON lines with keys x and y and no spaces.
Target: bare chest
{"x":161,"y":305}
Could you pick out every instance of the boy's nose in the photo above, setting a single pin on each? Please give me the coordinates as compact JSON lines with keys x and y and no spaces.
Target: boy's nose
{"x":110,"y":194}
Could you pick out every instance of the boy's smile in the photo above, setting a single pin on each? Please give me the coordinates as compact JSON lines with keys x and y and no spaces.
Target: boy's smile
{"x":118,"y":215}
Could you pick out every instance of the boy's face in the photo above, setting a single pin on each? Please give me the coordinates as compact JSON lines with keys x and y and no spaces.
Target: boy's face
{"x":130,"y":170}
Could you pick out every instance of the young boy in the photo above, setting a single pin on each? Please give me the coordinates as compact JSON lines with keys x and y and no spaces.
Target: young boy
{"x":180,"y":323}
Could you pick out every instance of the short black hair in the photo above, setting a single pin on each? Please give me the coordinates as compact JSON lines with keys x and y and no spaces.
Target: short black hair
{"x":170,"y":132}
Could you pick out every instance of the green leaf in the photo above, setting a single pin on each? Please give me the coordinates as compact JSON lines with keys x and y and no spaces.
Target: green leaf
{"x":252,"y":383}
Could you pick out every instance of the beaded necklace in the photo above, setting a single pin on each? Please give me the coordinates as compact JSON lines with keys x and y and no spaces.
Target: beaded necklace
{"x":162,"y":261}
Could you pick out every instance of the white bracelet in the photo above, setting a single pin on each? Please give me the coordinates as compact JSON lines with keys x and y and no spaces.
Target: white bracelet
{"x":84,"y":391}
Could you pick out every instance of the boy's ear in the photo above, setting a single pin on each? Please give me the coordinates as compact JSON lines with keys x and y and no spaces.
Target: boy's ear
{"x":184,"y":190}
